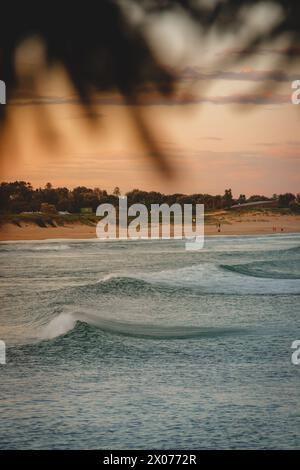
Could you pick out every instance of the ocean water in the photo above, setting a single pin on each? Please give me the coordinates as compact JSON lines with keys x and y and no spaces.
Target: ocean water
{"x":140,"y":345}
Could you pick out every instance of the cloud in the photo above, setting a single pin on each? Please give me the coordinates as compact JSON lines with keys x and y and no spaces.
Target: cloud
{"x":150,"y":97}
{"x":293,"y":143}
{"x":288,"y":143}
{"x":252,"y":99}
{"x":234,"y":98}
{"x":31,"y":99}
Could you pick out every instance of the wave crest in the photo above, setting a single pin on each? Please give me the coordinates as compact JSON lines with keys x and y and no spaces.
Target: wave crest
{"x":267,"y":269}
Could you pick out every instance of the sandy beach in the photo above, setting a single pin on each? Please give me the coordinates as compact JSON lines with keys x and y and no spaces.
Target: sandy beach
{"x":230,"y":224}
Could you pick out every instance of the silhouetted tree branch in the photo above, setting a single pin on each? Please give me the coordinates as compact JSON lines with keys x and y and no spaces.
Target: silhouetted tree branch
{"x":102,"y":49}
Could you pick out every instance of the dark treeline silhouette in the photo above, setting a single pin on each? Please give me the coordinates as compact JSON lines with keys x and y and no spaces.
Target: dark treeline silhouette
{"x":20,"y":196}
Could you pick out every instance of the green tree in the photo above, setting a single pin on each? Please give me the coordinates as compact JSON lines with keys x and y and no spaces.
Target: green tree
{"x":295,"y":206}
{"x":117,"y":191}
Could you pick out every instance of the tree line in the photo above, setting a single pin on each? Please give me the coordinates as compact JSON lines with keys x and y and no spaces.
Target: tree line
{"x":20,"y":196}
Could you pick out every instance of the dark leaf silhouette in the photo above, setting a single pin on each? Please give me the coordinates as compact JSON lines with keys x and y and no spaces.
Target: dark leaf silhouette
{"x":102,"y":49}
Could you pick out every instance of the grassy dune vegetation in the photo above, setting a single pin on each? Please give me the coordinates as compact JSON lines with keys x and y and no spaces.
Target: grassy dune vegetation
{"x":45,"y":220}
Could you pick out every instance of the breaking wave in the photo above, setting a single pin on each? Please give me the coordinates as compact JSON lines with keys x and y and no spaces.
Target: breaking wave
{"x":66,"y":322}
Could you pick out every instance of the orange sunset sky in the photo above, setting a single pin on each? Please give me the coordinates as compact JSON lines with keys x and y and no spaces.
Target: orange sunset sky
{"x":229,"y":125}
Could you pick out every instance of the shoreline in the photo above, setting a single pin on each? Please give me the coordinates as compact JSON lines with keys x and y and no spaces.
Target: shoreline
{"x":231,"y":225}
{"x":98,"y":240}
